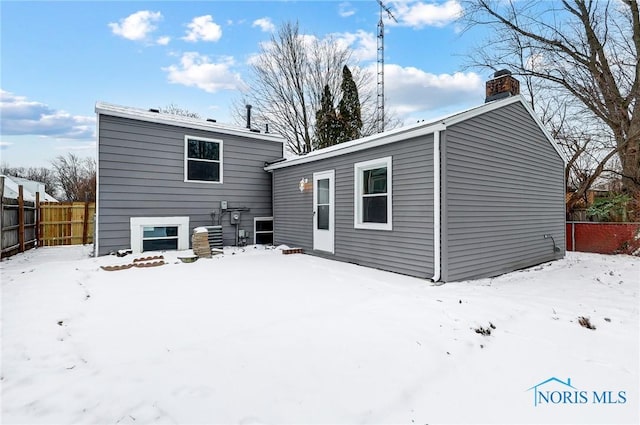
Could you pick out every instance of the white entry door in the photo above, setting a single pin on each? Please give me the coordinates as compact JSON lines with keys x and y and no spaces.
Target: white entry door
{"x":323,"y":211}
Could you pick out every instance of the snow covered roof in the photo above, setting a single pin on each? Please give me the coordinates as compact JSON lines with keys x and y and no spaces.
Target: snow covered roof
{"x":29,"y":189}
{"x":414,"y":130}
{"x":104,"y":108}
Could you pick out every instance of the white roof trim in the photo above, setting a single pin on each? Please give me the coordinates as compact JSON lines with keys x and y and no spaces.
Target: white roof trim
{"x":420,"y":129}
{"x":176,"y":120}
{"x":481,"y":109}
{"x":499,"y":104}
{"x":373,"y":141}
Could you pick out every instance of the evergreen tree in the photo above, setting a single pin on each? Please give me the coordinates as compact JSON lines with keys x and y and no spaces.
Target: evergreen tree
{"x":349,"y":113}
{"x":327,"y":125}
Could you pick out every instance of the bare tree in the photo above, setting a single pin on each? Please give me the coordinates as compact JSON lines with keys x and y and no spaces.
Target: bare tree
{"x":583,"y":51}
{"x":174,"y":109}
{"x":288,"y":79}
{"x":39,"y":174}
{"x":590,"y":149}
{"x":76,"y":177}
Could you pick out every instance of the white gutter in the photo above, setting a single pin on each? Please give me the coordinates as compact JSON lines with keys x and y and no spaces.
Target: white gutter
{"x":437,"y":210}
{"x":176,"y":120}
{"x":368,"y":142}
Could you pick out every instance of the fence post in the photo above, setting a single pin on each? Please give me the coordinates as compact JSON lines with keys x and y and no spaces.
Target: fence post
{"x":36,"y":217}
{"x":69,"y":226}
{"x":85,"y":223}
{"x":41,"y":231}
{"x":21,"y":217}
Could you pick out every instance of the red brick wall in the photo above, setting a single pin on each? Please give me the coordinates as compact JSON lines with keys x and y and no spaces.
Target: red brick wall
{"x":604,"y":238}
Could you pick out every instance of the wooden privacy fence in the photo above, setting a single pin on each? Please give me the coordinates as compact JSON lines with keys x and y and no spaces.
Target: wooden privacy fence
{"x":19,"y":224}
{"x":27,"y":224}
{"x":66,"y":223}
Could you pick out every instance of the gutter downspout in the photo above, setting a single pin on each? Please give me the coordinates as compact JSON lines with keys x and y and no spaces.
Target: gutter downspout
{"x":437,"y":209}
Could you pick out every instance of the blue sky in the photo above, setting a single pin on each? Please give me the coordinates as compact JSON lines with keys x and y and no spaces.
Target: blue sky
{"x":59,"y":57}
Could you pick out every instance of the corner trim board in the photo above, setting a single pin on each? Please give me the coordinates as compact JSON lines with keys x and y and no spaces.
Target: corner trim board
{"x":437,"y":209}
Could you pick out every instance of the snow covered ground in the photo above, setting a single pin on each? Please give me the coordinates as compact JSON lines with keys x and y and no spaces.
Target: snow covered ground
{"x":254,"y":336}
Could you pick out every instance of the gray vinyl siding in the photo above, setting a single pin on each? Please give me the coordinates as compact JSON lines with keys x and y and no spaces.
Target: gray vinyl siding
{"x":141,"y":174}
{"x":407,"y":249}
{"x":503,"y":190}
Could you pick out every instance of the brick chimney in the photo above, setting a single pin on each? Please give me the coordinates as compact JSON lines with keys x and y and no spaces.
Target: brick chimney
{"x":501,"y":85}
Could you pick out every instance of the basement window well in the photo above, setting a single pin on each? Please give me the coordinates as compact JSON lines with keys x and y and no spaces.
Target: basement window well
{"x":159,"y":233}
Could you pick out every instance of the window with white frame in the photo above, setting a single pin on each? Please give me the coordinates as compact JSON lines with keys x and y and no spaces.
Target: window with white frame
{"x":159,"y":233}
{"x":372,"y":193}
{"x":263,"y":230}
{"x":202,"y":160}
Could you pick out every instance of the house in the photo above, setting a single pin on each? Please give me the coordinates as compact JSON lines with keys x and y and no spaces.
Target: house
{"x":474,"y":194}
{"x":159,"y":176}
{"x":12,"y":185}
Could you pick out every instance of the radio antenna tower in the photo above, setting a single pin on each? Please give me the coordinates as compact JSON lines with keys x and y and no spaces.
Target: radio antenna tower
{"x":380,"y":67}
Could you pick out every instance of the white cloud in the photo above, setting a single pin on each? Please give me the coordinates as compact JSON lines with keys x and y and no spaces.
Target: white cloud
{"x":536,"y":62}
{"x":164,"y":40}
{"x":264,"y":24}
{"x":238,"y":22}
{"x":410,"y":90}
{"x":197,"y":70}
{"x":137,"y":26}
{"x":307,"y":40}
{"x":20,"y":116}
{"x":203,"y":28}
{"x":77,"y":147}
{"x":363,"y":44}
{"x":345,"y":9}
{"x":418,"y":14}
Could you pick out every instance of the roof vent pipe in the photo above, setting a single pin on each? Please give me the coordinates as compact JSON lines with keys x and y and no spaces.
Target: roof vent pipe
{"x":249,"y":117}
{"x":154,"y":110}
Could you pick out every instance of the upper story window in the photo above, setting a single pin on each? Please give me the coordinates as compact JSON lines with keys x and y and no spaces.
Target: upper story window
{"x":202,"y":160}
{"x":372,"y":189}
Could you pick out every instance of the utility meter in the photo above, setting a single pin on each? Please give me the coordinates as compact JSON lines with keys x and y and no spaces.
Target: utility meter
{"x":235,"y":217}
